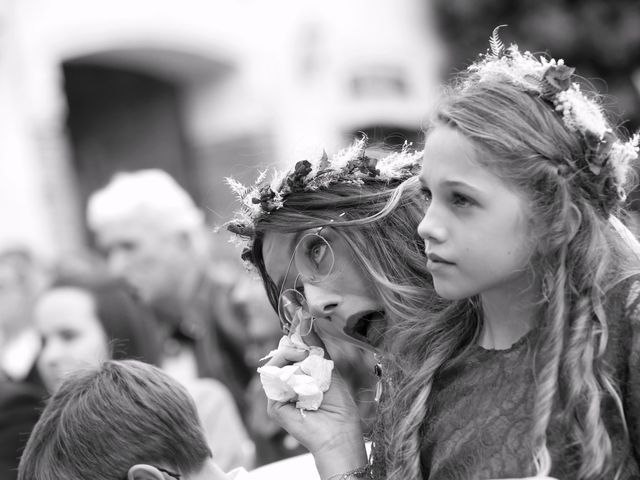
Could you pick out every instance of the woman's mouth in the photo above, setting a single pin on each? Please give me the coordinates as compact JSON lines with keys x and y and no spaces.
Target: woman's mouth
{"x":368,"y":328}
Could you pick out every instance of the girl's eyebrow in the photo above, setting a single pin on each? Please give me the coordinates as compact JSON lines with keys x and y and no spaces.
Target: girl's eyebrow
{"x":460,"y":184}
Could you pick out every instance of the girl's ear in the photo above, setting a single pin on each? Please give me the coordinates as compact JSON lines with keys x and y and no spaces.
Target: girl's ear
{"x":574,"y":221}
{"x":142,"y":471}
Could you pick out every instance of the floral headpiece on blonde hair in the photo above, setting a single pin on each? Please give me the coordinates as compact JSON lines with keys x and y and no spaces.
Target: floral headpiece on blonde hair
{"x":350,"y":165}
{"x":552,"y":81}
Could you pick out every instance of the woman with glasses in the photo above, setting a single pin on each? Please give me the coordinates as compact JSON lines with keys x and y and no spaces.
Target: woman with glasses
{"x":321,"y":244}
{"x":337,"y":262}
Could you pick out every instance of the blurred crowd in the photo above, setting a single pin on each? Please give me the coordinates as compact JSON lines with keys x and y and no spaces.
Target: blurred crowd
{"x":154,"y":290}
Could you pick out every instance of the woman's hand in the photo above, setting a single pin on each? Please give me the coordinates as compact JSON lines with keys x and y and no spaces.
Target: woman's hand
{"x":332,"y":433}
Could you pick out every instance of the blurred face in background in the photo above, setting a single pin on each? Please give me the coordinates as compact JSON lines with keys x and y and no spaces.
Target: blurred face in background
{"x":144,"y":255}
{"x":72,"y":336}
{"x":258,"y":318}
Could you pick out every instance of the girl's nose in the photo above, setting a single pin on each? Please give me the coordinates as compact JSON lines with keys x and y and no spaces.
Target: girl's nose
{"x":431,"y":228}
{"x":320,"y":301}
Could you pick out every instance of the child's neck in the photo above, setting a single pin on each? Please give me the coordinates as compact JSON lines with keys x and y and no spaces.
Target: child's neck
{"x":507,"y":317}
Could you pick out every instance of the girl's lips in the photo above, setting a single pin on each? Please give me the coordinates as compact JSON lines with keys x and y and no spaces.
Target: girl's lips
{"x":367,"y":327}
{"x":437,"y":259}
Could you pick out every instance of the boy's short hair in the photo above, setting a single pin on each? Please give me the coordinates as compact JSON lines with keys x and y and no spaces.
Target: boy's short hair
{"x":104,"y":420}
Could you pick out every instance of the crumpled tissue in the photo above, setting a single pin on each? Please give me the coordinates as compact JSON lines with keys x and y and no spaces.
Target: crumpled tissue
{"x":303,"y":382}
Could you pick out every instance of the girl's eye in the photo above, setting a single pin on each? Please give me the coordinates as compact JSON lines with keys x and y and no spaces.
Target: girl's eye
{"x":460,"y":200}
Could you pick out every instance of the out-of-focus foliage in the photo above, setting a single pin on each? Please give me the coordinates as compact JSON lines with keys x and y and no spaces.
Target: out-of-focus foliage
{"x":600,"y":38}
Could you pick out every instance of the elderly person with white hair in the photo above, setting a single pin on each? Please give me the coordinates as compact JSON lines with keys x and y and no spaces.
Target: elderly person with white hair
{"x":155,"y":239}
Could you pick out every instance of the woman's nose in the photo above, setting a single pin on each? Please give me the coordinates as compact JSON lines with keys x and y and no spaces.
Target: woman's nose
{"x":320,"y":301}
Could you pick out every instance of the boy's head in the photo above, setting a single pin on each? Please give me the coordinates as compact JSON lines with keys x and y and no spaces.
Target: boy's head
{"x":124,"y":419}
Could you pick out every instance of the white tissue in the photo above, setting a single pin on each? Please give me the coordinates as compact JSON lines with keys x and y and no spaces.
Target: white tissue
{"x":303,"y":382}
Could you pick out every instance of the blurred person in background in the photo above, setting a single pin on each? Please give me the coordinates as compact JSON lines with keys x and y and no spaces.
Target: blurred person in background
{"x":21,"y":279}
{"x":87,"y":319}
{"x":21,"y":389}
{"x":155,"y":239}
{"x":253,"y":310}
{"x":84,"y":320}
{"x":20,"y":405}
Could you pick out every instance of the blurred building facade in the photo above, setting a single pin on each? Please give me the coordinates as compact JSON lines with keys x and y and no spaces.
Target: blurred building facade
{"x":202,"y":88}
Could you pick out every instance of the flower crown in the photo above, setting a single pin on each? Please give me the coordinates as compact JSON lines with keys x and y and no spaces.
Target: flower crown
{"x":552,"y":81}
{"x":351,"y":165}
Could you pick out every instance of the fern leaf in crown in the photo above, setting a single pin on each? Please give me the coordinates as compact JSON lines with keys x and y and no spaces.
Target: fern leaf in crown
{"x":350,"y":165}
{"x":495,"y":43}
{"x":553,"y":81}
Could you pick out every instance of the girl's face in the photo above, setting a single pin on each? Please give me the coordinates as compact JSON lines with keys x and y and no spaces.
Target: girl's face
{"x":475,"y":227}
{"x":72,"y":335}
{"x":341,"y":297}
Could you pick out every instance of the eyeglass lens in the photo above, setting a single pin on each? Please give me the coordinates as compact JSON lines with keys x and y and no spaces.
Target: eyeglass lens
{"x":294,"y":313}
{"x":314,"y":260}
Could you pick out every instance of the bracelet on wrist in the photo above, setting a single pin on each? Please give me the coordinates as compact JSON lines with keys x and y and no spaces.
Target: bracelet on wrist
{"x":360,"y":472}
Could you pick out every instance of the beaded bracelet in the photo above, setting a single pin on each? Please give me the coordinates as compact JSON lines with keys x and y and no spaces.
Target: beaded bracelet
{"x":360,"y":472}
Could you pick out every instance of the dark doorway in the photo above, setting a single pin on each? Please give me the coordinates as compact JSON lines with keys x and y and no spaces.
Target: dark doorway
{"x":120,"y":120}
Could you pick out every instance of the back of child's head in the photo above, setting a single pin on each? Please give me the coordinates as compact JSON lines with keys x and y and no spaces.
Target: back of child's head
{"x":102,"y":421}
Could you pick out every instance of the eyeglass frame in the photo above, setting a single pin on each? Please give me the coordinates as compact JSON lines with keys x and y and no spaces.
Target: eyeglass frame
{"x":284,"y":325}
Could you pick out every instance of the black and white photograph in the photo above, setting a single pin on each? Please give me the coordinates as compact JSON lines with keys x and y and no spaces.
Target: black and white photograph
{"x":320,"y":240}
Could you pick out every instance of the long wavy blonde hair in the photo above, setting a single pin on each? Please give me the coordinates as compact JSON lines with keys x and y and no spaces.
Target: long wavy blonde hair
{"x":523,"y":141}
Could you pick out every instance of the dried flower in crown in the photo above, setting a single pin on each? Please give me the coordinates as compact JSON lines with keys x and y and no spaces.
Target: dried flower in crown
{"x":350,"y":165}
{"x":553,"y":81}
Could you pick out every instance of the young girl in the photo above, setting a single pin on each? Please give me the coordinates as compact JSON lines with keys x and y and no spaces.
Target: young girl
{"x":533,"y":367}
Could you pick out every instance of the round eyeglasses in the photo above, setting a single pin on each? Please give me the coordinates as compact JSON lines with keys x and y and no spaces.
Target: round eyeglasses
{"x":314,"y":260}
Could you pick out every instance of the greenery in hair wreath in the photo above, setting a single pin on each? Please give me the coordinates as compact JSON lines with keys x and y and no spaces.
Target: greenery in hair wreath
{"x":351,"y":165}
{"x":554,"y":82}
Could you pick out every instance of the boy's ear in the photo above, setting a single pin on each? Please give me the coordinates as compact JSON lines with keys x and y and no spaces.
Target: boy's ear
{"x":142,"y":471}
